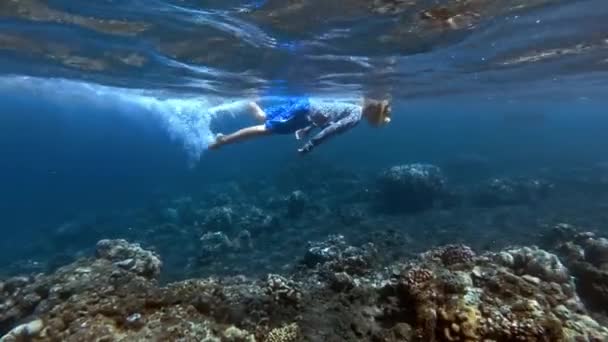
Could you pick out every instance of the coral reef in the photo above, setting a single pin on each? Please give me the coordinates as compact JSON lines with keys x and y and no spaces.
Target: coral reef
{"x":585,"y":255}
{"x":535,"y":262}
{"x":130,"y":256}
{"x":117,"y":262}
{"x":480,"y":299}
{"x":250,"y":262}
{"x":596,"y":252}
{"x":281,"y":289}
{"x":452,"y":254}
{"x":215,"y":243}
{"x":449,"y":293}
{"x":219,"y":219}
{"x":95,"y":299}
{"x":335,"y":255}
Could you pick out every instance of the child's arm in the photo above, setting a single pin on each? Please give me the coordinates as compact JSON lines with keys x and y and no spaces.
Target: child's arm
{"x":303,"y":132}
{"x":329,"y":131}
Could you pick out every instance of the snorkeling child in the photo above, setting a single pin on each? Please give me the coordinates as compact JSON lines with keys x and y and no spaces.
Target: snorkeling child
{"x":300,"y":116}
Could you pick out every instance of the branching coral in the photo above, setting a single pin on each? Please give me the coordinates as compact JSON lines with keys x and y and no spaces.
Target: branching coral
{"x":286,"y":333}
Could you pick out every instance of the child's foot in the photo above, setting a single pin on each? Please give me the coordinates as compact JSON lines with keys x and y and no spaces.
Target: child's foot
{"x":219,"y":141}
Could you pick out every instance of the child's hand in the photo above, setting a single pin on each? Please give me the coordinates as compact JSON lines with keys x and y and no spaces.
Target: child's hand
{"x":301,"y":133}
{"x":306,"y":148}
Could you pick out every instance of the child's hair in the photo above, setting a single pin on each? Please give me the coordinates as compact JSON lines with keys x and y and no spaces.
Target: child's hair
{"x":377,"y":112}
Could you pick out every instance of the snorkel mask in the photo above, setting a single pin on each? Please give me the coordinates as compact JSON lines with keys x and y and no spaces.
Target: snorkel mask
{"x":378,"y":112}
{"x":385,"y":113}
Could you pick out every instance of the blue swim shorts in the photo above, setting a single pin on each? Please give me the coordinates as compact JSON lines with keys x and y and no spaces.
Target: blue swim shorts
{"x":288,"y":117}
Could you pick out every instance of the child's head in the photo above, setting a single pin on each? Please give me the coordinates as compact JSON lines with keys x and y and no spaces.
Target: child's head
{"x":376,"y":112}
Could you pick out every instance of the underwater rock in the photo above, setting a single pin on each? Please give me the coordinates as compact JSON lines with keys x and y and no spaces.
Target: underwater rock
{"x":335,"y":255}
{"x":281,"y":289}
{"x":185,"y":211}
{"x":596,"y":252}
{"x":410,"y":188}
{"x":585,"y":256}
{"x":592,"y":285}
{"x":215,"y":242}
{"x":219,"y":219}
{"x":558,"y":235}
{"x":320,"y":252}
{"x":251,"y":218}
{"x":24,"y":332}
{"x":539,"y":263}
{"x":257,"y":221}
{"x":216,"y":245}
{"x":11,"y":285}
{"x":18,"y":299}
{"x":506,"y":191}
{"x":130,"y":257}
{"x":341,"y":281}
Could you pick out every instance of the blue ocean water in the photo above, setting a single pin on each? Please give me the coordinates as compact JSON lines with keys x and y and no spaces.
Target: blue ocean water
{"x":109,"y":105}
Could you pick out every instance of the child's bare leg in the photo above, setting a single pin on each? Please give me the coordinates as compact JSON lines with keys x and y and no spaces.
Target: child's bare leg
{"x":240,"y":135}
{"x":257,"y":112}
